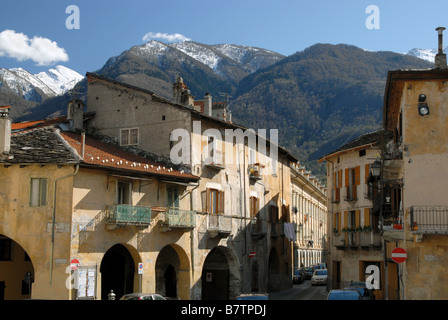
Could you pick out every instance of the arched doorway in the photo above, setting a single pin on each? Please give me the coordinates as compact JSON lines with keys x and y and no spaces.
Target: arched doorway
{"x":167,"y":266}
{"x":16,"y":271}
{"x":117,"y":272}
{"x":173,"y":272}
{"x":220,"y":275}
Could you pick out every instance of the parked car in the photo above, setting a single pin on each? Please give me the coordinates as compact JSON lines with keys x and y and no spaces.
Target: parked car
{"x":142,"y":296}
{"x":254,"y":296}
{"x":319,"y":277}
{"x":344,"y":294}
{"x":308,"y":271}
{"x":366,"y":294}
{"x":298,"y":276}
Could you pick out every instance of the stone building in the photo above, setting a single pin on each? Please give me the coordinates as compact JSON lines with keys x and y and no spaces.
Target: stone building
{"x":244,"y":196}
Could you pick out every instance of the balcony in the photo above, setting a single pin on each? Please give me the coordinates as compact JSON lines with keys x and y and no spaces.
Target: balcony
{"x":258,"y":228}
{"x":362,"y":239}
{"x":219,"y":224}
{"x":123,"y":214}
{"x":429,"y":220}
{"x":178,"y":219}
{"x":215,"y":162}
{"x":255,"y":171}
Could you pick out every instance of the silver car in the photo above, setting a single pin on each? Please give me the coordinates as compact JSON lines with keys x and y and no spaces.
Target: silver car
{"x":319,"y":277}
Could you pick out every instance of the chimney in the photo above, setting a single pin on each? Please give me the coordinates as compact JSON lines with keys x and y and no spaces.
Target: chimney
{"x":208,"y":104}
{"x":75,"y":115}
{"x":5,"y":133}
{"x":440,"y":59}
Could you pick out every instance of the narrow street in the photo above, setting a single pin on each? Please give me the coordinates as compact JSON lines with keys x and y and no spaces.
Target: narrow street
{"x":303,"y":291}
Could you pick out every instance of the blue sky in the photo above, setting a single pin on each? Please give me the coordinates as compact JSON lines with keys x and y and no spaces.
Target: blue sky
{"x":34,"y":36}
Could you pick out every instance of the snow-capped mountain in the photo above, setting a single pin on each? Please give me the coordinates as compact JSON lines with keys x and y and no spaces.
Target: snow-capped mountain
{"x":223,"y":59}
{"x":425,"y":54}
{"x":38,"y":87}
{"x":60,"y":79}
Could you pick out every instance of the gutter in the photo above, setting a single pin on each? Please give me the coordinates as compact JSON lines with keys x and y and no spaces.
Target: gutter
{"x":54,"y":217}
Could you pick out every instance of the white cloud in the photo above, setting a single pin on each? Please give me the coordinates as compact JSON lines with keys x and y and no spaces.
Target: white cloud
{"x":43,"y":51}
{"x":175,"y":37}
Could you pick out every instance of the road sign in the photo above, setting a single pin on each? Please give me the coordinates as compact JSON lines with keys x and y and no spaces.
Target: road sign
{"x":399,"y":255}
{"x":252,"y":254}
{"x":140,"y":268}
{"x":74,"y":264}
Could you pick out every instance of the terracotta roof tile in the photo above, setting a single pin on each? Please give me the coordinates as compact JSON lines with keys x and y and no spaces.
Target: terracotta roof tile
{"x":101,"y":154}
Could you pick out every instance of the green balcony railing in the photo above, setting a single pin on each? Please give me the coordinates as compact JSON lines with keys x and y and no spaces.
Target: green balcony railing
{"x":175,"y":218}
{"x":131,"y":215}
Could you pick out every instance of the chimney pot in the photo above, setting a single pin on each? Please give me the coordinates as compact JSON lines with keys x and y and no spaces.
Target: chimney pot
{"x":440,"y":58}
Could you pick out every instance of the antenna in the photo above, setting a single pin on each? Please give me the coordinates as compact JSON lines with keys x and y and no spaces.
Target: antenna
{"x":227,"y":97}
{"x":74,"y":92}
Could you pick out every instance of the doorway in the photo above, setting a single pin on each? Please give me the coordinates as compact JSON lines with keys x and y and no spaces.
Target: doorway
{"x":117,"y":272}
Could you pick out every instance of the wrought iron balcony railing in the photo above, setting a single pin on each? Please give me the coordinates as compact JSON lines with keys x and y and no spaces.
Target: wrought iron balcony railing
{"x":429,"y":219}
{"x":129,"y":215}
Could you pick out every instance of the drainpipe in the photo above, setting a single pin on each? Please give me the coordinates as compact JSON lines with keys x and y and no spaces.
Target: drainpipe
{"x":54,"y":217}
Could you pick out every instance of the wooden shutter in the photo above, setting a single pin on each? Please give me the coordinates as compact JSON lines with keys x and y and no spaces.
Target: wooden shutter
{"x":367,"y":217}
{"x":366,"y":172}
{"x":220,"y":202}
{"x":347,"y":175}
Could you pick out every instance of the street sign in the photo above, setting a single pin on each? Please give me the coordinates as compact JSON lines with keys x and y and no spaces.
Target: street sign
{"x":140,"y":268}
{"x":74,"y":264}
{"x":252,"y":254}
{"x":399,"y":255}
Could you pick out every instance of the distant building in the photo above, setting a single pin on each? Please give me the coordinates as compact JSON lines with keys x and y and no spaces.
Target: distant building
{"x":354,"y":232}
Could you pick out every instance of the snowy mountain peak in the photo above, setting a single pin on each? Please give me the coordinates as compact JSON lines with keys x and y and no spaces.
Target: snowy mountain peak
{"x":425,"y":54}
{"x":55,"y":81}
{"x":60,"y":79}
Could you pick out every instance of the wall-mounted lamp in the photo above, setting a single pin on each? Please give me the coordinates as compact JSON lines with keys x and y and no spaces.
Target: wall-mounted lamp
{"x":423,"y":108}
{"x":376,"y":168}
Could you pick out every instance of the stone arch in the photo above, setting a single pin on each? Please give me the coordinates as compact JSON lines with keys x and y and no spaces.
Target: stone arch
{"x":221,"y":278}
{"x":173,"y":272}
{"x":119,"y":270}
{"x":17,"y":272}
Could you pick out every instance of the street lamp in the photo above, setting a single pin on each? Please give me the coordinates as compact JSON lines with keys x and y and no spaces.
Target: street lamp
{"x":376,"y":168}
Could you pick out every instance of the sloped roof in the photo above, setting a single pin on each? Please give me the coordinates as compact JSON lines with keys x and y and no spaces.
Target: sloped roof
{"x":42,"y":146}
{"x":362,"y":142}
{"x":105,"y":155}
{"x":36,"y":144}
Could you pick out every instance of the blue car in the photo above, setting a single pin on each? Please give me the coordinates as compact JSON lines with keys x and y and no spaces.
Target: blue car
{"x":344,"y":294}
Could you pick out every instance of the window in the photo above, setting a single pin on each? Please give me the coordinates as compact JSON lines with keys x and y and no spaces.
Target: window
{"x":5,"y":249}
{"x":352,"y":180}
{"x":38,"y":192}
{"x":129,"y":137}
{"x":173,"y":197}
{"x":254,"y":206}
{"x":124,"y":192}
{"x":213,"y":201}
